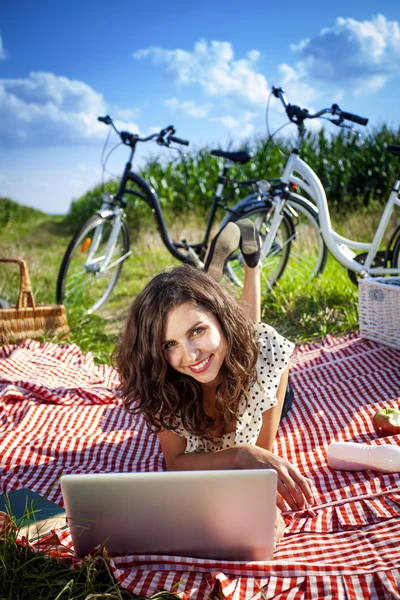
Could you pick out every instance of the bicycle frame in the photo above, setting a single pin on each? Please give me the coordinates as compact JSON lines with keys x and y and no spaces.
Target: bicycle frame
{"x":311,"y":184}
{"x":149,"y":195}
{"x":103,"y":261}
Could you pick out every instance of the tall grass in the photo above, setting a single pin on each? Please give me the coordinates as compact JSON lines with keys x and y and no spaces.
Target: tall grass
{"x":29,"y":575}
{"x":356,"y":173}
{"x":301,"y":310}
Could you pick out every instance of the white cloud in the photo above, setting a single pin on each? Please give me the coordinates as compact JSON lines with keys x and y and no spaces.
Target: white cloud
{"x":2,"y":51}
{"x":300,"y":91}
{"x":45,"y":110}
{"x":213,"y":66}
{"x":189,"y":107}
{"x":240,"y":127}
{"x":357,"y":56}
{"x":125,"y":114}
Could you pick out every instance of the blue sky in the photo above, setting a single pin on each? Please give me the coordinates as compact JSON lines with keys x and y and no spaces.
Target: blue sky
{"x":205,"y":67}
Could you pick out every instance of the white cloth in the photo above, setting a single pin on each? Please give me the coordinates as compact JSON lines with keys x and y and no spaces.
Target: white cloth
{"x":275,"y":353}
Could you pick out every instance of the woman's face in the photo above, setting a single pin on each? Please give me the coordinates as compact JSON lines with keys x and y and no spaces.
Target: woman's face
{"x":193,"y":343}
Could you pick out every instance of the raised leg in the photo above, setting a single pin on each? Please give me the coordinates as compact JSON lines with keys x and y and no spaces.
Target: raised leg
{"x":244,"y":234}
{"x":251,"y":293}
{"x":250,"y":247}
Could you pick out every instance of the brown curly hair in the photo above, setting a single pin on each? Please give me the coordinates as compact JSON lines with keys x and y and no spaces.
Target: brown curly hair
{"x":169,"y":399}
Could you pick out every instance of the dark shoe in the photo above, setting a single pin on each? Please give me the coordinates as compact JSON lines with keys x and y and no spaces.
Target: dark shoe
{"x":221,"y":247}
{"x":249,"y":242}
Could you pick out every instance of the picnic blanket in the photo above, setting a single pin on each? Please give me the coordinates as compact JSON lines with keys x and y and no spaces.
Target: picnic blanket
{"x":60,"y":413}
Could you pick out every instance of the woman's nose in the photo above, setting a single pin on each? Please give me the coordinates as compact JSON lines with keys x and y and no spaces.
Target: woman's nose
{"x":190,"y":353}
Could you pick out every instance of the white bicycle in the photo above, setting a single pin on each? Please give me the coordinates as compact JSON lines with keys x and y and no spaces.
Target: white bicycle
{"x":373,"y":261}
{"x":92,"y":263}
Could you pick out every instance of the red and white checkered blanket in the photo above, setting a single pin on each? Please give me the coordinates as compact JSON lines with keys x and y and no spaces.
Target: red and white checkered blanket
{"x":59,"y":414}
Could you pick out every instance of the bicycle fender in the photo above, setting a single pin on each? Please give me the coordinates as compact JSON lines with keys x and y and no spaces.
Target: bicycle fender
{"x":305,"y":202}
{"x":105,"y":213}
{"x":243,"y":206}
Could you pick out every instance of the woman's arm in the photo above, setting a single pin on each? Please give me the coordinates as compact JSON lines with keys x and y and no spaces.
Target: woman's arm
{"x":173,"y":447}
{"x":271,"y":417}
{"x":251,"y":292}
{"x":292,"y":486}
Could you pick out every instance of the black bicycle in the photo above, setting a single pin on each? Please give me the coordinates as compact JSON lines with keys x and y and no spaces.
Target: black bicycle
{"x":94,"y":258}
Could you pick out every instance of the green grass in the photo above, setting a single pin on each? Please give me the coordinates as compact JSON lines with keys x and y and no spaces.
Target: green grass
{"x":304,"y":311}
{"x":29,"y":575}
{"x":307,"y":311}
{"x":26,"y":575}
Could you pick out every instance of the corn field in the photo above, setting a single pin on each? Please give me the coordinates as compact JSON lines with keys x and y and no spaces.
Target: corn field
{"x":356,"y":173}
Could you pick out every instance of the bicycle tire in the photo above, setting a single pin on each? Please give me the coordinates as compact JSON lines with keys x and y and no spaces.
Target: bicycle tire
{"x":395,"y":263}
{"x":80,"y":283}
{"x":308,"y":233}
{"x":299,"y":232}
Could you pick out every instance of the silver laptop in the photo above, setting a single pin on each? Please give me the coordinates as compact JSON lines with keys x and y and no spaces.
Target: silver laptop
{"x":227,"y":515}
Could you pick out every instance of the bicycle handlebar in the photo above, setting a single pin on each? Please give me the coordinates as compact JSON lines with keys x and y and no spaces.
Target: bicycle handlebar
{"x":350,"y":116}
{"x":177,"y":140}
{"x":163,"y":138}
{"x":106,"y":119}
{"x":297,"y":115}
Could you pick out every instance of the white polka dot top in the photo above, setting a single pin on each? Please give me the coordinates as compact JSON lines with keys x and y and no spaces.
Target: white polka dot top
{"x":275,"y":353}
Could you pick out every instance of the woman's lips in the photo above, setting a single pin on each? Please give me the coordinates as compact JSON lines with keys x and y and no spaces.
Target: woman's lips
{"x":202,"y":369}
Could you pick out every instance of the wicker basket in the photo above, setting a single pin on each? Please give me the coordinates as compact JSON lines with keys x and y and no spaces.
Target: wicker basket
{"x":379,"y":309}
{"x":26,"y":320}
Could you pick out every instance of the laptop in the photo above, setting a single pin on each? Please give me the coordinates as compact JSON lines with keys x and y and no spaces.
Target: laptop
{"x":222,"y":515}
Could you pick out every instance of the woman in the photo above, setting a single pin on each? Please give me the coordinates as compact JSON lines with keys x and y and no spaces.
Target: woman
{"x":209,"y":381}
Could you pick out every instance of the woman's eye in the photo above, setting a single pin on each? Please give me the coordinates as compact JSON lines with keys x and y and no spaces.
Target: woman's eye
{"x":197,"y":331}
{"x":168,"y":345}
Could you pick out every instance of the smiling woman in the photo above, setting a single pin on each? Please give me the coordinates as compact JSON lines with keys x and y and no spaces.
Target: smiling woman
{"x":208,"y":380}
{"x":182,"y":318}
{"x":198,"y":346}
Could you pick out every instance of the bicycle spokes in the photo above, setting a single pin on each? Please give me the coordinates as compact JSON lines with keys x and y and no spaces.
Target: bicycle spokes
{"x":94,"y":264}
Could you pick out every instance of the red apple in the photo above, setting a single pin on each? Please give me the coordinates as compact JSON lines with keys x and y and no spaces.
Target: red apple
{"x":387,"y":421}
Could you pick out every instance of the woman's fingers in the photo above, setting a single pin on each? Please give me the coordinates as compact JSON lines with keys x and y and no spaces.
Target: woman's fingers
{"x":295,"y":503}
{"x":293,"y":487}
{"x":304,"y":484}
{"x":279,"y":526}
{"x":280,"y":503}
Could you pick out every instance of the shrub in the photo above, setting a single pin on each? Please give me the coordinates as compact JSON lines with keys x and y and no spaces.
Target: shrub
{"x":12,"y":213}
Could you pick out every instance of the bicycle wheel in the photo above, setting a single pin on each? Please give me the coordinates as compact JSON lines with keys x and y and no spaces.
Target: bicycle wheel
{"x":395,"y":264}
{"x":81,"y":280}
{"x":298,"y":251}
{"x":308,"y":254}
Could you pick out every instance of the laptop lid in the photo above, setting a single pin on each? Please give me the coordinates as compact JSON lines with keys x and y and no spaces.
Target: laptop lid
{"x":227,"y":515}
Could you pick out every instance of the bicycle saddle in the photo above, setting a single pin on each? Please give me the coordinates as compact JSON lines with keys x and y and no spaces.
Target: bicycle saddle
{"x":393,"y":150}
{"x":239,"y":157}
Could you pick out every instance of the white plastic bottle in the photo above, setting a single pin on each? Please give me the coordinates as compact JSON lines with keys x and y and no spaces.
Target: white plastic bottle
{"x":350,"y":456}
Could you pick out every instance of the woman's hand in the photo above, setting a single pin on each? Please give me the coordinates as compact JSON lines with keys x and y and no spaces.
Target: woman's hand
{"x":293,"y":487}
{"x":279,"y":526}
